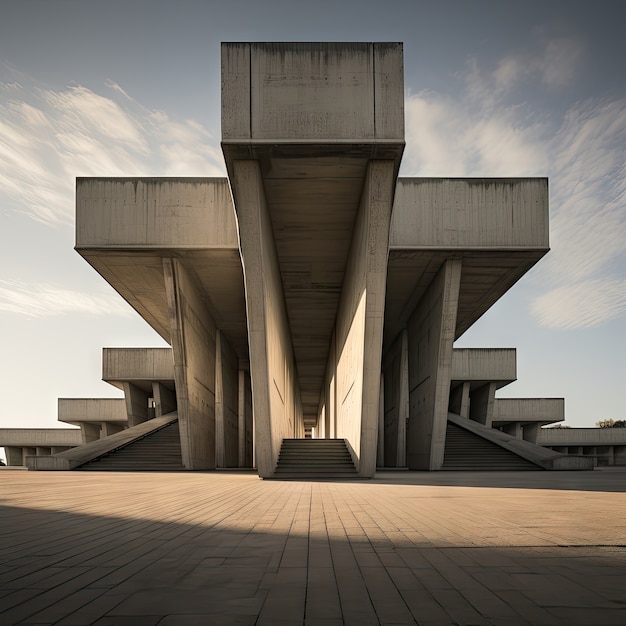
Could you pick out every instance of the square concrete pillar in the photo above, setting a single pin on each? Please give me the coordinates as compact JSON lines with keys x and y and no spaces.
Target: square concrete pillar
{"x":193,"y":345}
{"x":460,"y":399}
{"x":226,"y":404}
{"x":90,"y":431}
{"x":164,"y":399}
{"x":136,"y":404}
{"x":246,"y":425}
{"x":431,"y":333}
{"x":482,"y":402}
{"x":15,"y":455}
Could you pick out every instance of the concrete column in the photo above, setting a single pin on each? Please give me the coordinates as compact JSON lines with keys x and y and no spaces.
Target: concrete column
{"x":619,"y":455}
{"x":136,"y":404}
{"x":514,"y":429}
{"x":226,"y":403}
{"x":193,"y":347}
{"x":57,"y":449}
{"x":246,"y":427}
{"x":431,"y":331}
{"x":360,"y":318}
{"x":531,"y":432}
{"x":14,"y":455}
{"x":460,"y":399}
{"x":482,"y":401}
{"x":164,"y":399}
{"x":109,"y":428}
{"x":276,"y":392}
{"x":90,"y":431}
{"x":43,"y":451}
{"x":380,"y":452}
{"x":396,"y":376}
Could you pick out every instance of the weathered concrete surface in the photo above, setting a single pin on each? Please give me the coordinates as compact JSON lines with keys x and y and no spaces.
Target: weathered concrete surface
{"x":499,"y":227}
{"x":34,"y":437}
{"x":581,"y":436}
{"x":439,"y":548}
{"x":141,"y":366}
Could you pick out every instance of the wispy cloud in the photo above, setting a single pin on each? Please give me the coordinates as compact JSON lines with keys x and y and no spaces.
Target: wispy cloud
{"x":484,"y":130}
{"x":46,"y":300}
{"x":48,"y":137}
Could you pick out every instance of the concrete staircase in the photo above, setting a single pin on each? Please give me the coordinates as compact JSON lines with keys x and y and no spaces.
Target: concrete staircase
{"x":468,"y":451}
{"x":315,"y":458}
{"x":158,"y":451}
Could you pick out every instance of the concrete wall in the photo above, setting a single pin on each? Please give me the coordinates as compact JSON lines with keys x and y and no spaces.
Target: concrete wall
{"x":430,"y":337}
{"x":464,"y":213}
{"x":312,"y":91}
{"x":226,"y":404}
{"x":154,"y":212}
{"x":193,"y":344}
{"x":358,"y":333}
{"x":276,"y":400}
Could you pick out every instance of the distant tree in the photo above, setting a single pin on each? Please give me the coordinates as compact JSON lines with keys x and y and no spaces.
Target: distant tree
{"x":611,"y":423}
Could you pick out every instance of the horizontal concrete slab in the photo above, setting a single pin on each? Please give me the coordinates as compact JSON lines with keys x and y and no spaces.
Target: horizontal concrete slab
{"x":582,"y":436}
{"x":482,"y":365}
{"x":77,"y":410}
{"x":542,"y":410}
{"x":140,"y":366}
{"x":40,"y":437}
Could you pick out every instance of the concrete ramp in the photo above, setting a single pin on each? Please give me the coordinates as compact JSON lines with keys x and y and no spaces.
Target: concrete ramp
{"x":473,"y":446}
{"x":79,"y":456}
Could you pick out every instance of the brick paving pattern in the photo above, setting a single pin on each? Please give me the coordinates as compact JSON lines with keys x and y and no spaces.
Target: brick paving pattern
{"x":218,"y":548}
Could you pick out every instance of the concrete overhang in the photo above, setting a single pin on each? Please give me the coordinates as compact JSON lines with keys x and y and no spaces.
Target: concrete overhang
{"x":528,"y":411}
{"x":40,"y":437}
{"x":125,"y":227}
{"x":497,"y":226}
{"x":81,"y":410}
{"x":480,"y":366}
{"x":139,"y":366}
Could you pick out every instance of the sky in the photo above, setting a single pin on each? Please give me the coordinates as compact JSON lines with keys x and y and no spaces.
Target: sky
{"x":492,"y":88}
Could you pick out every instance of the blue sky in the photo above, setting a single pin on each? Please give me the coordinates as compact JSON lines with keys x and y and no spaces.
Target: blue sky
{"x":492,"y":89}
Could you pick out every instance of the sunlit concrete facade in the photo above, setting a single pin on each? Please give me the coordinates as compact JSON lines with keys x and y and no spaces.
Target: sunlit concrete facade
{"x":312,"y":292}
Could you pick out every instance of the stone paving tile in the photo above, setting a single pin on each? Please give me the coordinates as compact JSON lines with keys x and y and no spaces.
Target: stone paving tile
{"x":225,"y":548}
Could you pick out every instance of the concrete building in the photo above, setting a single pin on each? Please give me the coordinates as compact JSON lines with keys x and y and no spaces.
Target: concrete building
{"x":312,"y":298}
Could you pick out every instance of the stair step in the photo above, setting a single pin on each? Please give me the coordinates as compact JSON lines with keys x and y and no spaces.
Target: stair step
{"x":314,"y":458}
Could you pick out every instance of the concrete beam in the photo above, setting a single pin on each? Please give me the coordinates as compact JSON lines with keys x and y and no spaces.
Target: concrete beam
{"x":538,"y":410}
{"x":79,"y":410}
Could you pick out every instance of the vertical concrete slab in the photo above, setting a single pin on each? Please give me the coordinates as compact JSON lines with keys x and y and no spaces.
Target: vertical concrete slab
{"x":431,"y":330}
{"x":193,"y":344}
{"x":360,"y":318}
{"x":380,"y":452}
{"x":89,"y":431}
{"x":136,"y":404}
{"x":226,"y":403}
{"x":164,"y":399}
{"x":275,"y":389}
{"x":482,"y":402}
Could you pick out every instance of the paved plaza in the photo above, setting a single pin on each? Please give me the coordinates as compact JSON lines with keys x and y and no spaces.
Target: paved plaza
{"x":228,"y":548}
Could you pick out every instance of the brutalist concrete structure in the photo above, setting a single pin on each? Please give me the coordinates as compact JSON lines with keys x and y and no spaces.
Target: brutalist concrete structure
{"x":312,"y":293}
